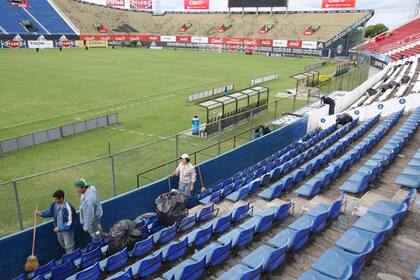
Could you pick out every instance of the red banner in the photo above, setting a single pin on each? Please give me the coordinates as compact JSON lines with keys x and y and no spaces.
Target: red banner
{"x":297,"y":44}
{"x":233,"y":41}
{"x":265,"y":42}
{"x":141,"y":4}
{"x":338,"y":4}
{"x":115,"y":3}
{"x":213,"y":40}
{"x":183,"y":39}
{"x":196,"y":4}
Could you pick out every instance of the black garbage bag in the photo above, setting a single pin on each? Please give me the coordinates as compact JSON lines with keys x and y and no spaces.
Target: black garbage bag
{"x":343,"y":118}
{"x":170,"y":207}
{"x":123,"y":234}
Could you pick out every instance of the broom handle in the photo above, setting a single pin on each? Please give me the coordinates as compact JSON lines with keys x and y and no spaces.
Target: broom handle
{"x":201,"y":177}
{"x":34,"y":234}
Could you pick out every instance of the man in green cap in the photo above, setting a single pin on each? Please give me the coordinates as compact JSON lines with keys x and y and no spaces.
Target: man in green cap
{"x":90,"y":209}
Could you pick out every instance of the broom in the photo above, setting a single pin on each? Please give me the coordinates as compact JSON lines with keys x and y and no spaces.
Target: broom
{"x":201,"y":178}
{"x":32,"y":262}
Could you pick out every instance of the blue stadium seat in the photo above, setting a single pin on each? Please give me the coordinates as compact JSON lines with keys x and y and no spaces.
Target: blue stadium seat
{"x":187,"y":223}
{"x":374,"y":223}
{"x":214,"y":197}
{"x":115,"y":261}
{"x":142,"y":247}
{"x":164,"y":235}
{"x":205,"y":213}
{"x":92,"y":246}
{"x":261,"y":223}
{"x":44,"y":269}
{"x":227,"y":190}
{"x":127,"y":275}
{"x":255,"y":184}
{"x":271,"y":258}
{"x":76,"y":254}
{"x":359,"y":242}
{"x":317,"y":218}
{"x":339,"y":264}
{"x":187,"y":270}
{"x":240,"y":194}
{"x":147,"y":265}
{"x":264,"y":179}
{"x":90,"y":258}
{"x":392,"y":209}
{"x":273,"y":191}
{"x":292,"y":239}
{"x":221,"y":223}
{"x":200,"y":236}
{"x":242,"y":272}
{"x":175,"y":250}
{"x":20,"y":277}
{"x":62,"y":271}
{"x":238,"y":237}
{"x":275,"y":174}
{"x":241,"y":212}
{"x":214,"y":253}
{"x":91,"y":273}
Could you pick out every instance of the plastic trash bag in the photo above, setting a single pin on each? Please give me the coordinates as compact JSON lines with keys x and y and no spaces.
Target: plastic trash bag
{"x":123,"y":234}
{"x":170,"y":207}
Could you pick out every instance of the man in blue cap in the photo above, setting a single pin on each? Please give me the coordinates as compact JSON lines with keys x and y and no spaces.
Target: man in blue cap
{"x":90,"y":209}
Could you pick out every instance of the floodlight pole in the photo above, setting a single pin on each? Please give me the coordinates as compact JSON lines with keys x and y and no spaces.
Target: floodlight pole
{"x":114,"y":191}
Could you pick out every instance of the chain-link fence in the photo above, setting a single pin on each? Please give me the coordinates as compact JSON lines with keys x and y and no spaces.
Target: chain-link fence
{"x":115,"y":173}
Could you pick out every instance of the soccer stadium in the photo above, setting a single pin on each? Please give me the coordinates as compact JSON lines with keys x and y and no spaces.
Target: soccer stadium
{"x":209,"y":139}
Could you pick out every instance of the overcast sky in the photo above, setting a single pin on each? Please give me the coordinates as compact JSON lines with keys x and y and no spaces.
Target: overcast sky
{"x":390,"y":12}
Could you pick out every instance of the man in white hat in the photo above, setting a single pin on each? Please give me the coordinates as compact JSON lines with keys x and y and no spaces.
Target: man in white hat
{"x":186,"y":173}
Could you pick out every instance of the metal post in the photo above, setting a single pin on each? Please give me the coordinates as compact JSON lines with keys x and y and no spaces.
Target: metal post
{"x":234,"y":141}
{"x":114,"y":188}
{"x":294,"y":102}
{"x":177,"y":146}
{"x":18,"y":209}
{"x":250,"y":125}
{"x":275,"y":109}
{"x":220,"y":135}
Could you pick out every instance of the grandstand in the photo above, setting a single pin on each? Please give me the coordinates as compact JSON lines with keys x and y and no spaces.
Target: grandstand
{"x":41,"y":17}
{"x":291,"y":26}
{"x":392,"y":45}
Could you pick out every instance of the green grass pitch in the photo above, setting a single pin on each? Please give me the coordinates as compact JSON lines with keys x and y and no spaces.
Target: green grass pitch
{"x":148,"y":89}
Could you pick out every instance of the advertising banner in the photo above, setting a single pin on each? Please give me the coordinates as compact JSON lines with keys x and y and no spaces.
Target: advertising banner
{"x":183,"y":39}
{"x":141,"y":4}
{"x":294,"y":44}
{"x":115,"y":3}
{"x":309,"y":44}
{"x":338,"y":4}
{"x":46,"y":44}
{"x":167,"y":38}
{"x":201,"y":40}
{"x":280,"y":43}
{"x":15,"y":43}
{"x":196,"y":4}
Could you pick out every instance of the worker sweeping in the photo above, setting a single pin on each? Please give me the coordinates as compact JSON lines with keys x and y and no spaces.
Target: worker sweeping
{"x":187,"y":175}
{"x":32,"y":262}
{"x":64,"y":219}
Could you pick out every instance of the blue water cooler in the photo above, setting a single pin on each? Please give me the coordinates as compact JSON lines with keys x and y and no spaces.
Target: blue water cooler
{"x":195,"y":125}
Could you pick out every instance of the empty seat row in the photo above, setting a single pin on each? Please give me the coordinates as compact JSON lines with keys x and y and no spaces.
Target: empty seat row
{"x":363,"y":239}
{"x":264,"y":171}
{"x":219,"y":251}
{"x":271,"y":255}
{"x":410,"y":176}
{"x":322,"y":179}
{"x":360,"y":180}
{"x":287,"y":182}
{"x":176,"y":249}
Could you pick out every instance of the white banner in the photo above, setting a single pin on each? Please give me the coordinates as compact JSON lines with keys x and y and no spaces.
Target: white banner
{"x":96,"y":2}
{"x":168,"y":38}
{"x":40,"y":44}
{"x":280,"y":43}
{"x":309,"y":44}
{"x":202,"y":40}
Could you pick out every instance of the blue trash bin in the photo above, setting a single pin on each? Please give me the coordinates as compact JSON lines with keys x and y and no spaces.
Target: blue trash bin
{"x":195,"y":125}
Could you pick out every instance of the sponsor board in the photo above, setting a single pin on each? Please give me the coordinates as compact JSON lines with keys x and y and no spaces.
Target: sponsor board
{"x":280,"y":43}
{"x":118,"y":43}
{"x":41,"y":44}
{"x":141,"y":4}
{"x":201,"y":40}
{"x":338,"y":4}
{"x":309,"y":44}
{"x":15,"y":43}
{"x":167,"y":38}
{"x":115,"y":3}
{"x":183,"y":39}
{"x":196,"y":4}
{"x":294,"y":43}
{"x":97,"y":43}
